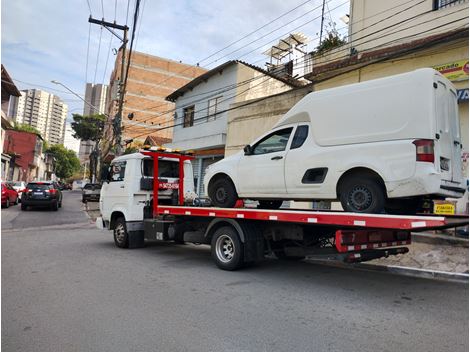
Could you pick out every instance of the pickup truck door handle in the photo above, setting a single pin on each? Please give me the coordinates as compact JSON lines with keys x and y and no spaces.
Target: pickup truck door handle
{"x":276,"y":158}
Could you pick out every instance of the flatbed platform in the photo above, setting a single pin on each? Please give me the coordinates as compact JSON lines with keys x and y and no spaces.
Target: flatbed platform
{"x":338,"y":219}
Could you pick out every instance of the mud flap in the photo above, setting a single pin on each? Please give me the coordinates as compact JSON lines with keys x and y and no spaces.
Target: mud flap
{"x":136,"y":239}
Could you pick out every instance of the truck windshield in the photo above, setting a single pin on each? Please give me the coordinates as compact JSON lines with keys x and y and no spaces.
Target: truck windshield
{"x":166,"y":168}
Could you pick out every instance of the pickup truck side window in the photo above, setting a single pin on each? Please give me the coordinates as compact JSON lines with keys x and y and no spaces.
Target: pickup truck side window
{"x":274,"y":142}
{"x":118,"y":169}
{"x":300,"y":136}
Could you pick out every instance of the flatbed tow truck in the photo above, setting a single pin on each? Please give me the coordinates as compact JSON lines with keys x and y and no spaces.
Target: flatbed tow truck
{"x":240,"y":236}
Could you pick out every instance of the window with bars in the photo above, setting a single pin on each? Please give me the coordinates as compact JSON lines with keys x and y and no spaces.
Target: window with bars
{"x":188,"y":116}
{"x":212,"y":107}
{"x":442,"y":4}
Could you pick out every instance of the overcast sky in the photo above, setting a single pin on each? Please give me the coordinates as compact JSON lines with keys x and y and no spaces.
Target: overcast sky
{"x":44,"y":40}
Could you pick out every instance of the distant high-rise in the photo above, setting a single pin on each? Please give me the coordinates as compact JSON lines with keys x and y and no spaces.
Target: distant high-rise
{"x":70,"y":142}
{"x":96,"y":97}
{"x":42,"y":110}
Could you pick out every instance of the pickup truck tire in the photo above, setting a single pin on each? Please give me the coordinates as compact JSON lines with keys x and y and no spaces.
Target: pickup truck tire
{"x":222,"y":193}
{"x":269,"y":204}
{"x":121,"y":237}
{"x":362,"y":194}
{"x":227,"y":248}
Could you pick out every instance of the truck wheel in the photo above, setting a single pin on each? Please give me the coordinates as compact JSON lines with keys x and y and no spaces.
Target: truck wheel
{"x":362,"y":194}
{"x":121,"y":238}
{"x":222,"y":193}
{"x":269,"y":204}
{"x":227,"y":249}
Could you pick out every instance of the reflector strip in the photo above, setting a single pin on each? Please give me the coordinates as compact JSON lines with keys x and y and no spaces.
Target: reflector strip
{"x":359,"y":223}
{"x":364,"y":246}
{"x":357,"y":255}
{"x":187,"y":213}
{"x":272,"y":217}
{"x":211,"y":214}
{"x":418,"y":224}
{"x":166,"y":212}
{"x":312,"y":219}
{"x":241,"y":216}
{"x":350,"y":248}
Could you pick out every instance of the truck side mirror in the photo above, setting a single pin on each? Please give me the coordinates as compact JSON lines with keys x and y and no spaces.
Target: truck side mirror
{"x":105,"y":174}
{"x":248,"y":150}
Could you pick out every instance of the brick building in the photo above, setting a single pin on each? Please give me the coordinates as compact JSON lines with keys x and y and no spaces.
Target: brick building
{"x":26,"y":151}
{"x":151,"y":79}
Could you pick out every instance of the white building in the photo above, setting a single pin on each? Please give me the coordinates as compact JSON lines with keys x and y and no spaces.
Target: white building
{"x":96,"y":96}
{"x":200,"y":122}
{"x":70,"y":142}
{"x":42,"y":110}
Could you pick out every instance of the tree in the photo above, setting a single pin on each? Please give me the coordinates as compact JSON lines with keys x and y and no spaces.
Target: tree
{"x":66,"y":161}
{"x":332,"y":40}
{"x":90,"y":128}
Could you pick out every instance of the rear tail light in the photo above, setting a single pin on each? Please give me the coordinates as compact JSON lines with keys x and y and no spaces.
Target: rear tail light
{"x":424,"y":150}
{"x":52,"y":191}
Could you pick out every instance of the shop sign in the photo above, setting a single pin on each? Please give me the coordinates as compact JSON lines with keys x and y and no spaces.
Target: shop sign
{"x":454,"y":71}
{"x":462,"y":94}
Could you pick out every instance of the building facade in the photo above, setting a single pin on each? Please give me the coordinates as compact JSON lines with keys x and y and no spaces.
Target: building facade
{"x":70,"y":142}
{"x":96,"y":97}
{"x":151,"y":79}
{"x":202,"y":105}
{"x":44,"y":111}
{"x":8,"y":90}
{"x":25,"y":149}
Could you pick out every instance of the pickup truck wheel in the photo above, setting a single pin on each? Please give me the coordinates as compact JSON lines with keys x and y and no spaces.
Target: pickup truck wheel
{"x":362,"y":194}
{"x":222,"y":193}
{"x":227,"y":249}
{"x":269,"y":204}
{"x":121,"y":238}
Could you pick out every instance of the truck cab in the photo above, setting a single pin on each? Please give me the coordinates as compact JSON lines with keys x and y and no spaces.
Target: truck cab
{"x":128,"y":185}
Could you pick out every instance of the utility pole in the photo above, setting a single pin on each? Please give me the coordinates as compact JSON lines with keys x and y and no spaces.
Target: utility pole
{"x":118,"y":118}
{"x":322,"y":19}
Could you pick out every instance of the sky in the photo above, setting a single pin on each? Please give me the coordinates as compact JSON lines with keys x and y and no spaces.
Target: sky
{"x":44,"y":40}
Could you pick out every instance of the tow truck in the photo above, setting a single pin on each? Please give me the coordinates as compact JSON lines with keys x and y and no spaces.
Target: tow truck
{"x":243,"y":236}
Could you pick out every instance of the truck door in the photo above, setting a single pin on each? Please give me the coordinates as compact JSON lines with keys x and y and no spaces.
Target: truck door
{"x":448,"y":144}
{"x":115,"y":192}
{"x":262,"y":172}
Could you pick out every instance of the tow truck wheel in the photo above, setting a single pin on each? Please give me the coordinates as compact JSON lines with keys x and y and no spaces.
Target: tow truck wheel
{"x":227,"y":249}
{"x":222,"y":193}
{"x":362,"y":194}
{"x":121,"y":238}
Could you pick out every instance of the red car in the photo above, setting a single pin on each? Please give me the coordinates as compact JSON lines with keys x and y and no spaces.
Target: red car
{"x":9,"y":195}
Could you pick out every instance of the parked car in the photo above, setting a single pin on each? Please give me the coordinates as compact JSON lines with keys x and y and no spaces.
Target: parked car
{"x":378,"y":145}
{"x":9,"y":195}
{"x":42,"y":193}
{"x":19,"y":187}
{"x":91,"y":192}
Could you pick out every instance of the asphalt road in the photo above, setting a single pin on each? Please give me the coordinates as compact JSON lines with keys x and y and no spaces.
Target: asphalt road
{"x":66,"y":287}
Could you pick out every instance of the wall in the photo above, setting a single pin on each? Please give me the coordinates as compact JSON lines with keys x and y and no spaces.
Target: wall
{"x":151,"y":79}
{"x":246,"y":123}
{"x":28,"y":147}
{"x":370,"y":20}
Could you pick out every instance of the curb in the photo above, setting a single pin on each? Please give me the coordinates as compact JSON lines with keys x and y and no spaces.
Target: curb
{"x":400,"y":270}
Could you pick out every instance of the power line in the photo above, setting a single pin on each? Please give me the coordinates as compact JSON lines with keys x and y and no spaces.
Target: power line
{"x":102,"y":9}
{"x":317,"y":37}
{"x":35,"y":85}
{"x":341,"y":73}
{"x":87,"y":54}
{"x":98,"y":55}
{"x":127,"y":12}
{"x":89,"y":7}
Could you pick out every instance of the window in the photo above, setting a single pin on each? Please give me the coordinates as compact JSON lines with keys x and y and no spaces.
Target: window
{"x":118,"y":170}
{"x":274,"y":142}
{"x":441,"y":4}
{"x":166,"y":168}
{"x":188,"y":116}
{"x":212,"y":107}
{"x":299,"y":137}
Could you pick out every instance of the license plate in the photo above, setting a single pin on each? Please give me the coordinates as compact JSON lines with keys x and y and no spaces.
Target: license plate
{"x":38,"y":193}
{"x":444,"y":209}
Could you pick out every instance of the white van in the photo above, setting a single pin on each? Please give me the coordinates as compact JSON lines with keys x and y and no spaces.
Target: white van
{"x":375,"y":145}
{"x":128,"y":186}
